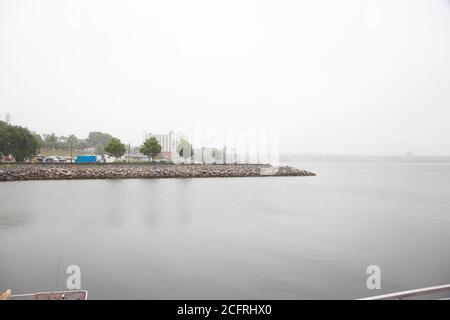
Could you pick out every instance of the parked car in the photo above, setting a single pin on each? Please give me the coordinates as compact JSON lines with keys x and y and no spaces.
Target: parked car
{"x":8,"y":159}
{"x":51,"y":160}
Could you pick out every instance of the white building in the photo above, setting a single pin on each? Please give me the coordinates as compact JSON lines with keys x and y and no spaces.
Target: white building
{"x":169,"y":143}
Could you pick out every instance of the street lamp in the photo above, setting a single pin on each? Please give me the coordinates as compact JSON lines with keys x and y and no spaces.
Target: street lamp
{"x":71,"y":150}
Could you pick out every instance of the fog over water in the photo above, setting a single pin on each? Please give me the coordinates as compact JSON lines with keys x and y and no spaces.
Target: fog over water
{"x":231,"y":238}
{"x":361,"y":77}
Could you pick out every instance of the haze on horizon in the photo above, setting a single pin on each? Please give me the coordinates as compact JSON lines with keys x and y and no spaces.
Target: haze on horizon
{"x":356,"y":76}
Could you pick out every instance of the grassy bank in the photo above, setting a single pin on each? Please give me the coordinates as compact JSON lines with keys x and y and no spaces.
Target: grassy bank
{"x":61,"y":153}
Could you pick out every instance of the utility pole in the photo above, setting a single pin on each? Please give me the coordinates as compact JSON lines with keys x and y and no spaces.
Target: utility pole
{"x":71,"y":150}
{"x":225,"y":154}
{"x":203,"y":160}
{"x":129,"y":152}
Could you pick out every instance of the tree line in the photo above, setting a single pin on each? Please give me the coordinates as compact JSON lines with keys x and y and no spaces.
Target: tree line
{"x":150,"y":148}
{"x":95,"y":139}
{"x":17,"y":141}
{"x":23,"y":144}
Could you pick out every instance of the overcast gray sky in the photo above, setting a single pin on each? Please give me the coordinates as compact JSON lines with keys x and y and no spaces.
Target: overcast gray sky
{"x":350,"y":76}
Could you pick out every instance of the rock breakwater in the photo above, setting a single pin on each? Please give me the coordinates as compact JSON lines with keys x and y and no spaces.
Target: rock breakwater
{"x":23,"y":172}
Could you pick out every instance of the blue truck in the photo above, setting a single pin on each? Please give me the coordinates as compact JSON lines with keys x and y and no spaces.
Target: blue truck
{"x":86,"y":159}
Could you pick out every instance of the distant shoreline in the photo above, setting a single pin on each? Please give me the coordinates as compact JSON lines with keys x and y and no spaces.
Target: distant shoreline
{"x":286,"y":158}
{"x":63,"y":171}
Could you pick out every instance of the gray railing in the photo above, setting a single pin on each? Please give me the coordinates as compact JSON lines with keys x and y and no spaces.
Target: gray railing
{"x":414,"y":294}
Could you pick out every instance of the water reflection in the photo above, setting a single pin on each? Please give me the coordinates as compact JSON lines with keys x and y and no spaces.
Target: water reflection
{"x":231,"y":238}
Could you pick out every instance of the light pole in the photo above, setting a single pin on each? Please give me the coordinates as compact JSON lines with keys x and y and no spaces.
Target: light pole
{"x":129,"y":152}
{"x":71,"y":151}
{"x":203,"y":160}
{"x":225,"y":154}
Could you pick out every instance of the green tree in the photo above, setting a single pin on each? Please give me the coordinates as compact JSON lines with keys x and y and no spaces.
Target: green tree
{"x":72,"y":141}
{"x":17,"y":141}
{"x":3,"y":124}
{"x":99,"y":140}
{"x":39,"y":139}
{"x":185,"y":149}
{"x":100,"y":149}
{"x":150,"y":148}
{"x":51,"y":141}
{"x":216,"y":154}
{"x":81,"y":144}
{"x":96,"y":138}
{"x":115,"y":148}
{"x":3,"y":135}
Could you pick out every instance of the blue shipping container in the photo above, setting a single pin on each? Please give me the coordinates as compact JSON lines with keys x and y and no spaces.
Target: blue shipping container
{"x":86,"y":159}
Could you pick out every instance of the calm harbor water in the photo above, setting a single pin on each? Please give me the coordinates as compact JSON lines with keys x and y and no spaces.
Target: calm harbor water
{"x":259,"y":238}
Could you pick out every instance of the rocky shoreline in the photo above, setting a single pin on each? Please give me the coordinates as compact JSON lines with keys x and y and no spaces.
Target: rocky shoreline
{"x":25,"y":172}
